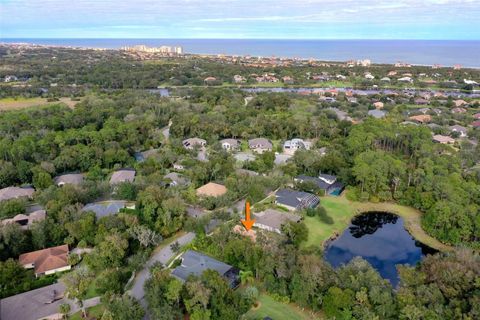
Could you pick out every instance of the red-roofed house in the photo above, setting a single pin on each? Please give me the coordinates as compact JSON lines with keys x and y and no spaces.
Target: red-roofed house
{"x":46,"y":261}
{"x":476,"y":124}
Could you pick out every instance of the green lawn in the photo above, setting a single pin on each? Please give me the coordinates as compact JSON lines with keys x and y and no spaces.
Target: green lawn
{"x":319,"y":231}
{"x":93,"y":312}
{"x":277,"y":311}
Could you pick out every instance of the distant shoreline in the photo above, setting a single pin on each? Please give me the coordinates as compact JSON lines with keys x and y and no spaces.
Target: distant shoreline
{"x":446,"y":53}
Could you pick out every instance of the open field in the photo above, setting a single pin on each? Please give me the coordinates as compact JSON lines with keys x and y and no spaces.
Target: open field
{"x":8,"y":104}
{"x":277,"y":310}
{"x":342,"y":210}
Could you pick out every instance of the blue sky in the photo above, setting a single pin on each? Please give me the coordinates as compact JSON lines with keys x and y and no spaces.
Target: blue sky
{"x":261,"y":19}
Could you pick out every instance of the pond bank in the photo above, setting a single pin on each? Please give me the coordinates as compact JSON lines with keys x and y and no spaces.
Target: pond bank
{"x":342,"y":211}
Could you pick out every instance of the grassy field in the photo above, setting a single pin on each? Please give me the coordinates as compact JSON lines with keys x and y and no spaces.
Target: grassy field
{"x":277,"y":311}
{"x":93,"y":313}
{"x":319,"y":231}
{"x":7,"y":104}
{"x":341,"y":210}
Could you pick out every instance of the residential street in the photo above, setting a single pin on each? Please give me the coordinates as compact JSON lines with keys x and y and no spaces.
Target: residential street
{"x":162,"y":256}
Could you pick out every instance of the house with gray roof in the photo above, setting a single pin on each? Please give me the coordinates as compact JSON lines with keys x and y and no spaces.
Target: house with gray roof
{"x":191,"y":143}
{"x":260,"y":145}
{"x":16,"y":192}
{"x":291,"y":146}
{"x":327,"y":183}
{"x":144,"y":155}
{"x":36,"y":304}
{"x":230,"y":144}
{"x":296,"y":200}
{"x":121,"y":176}
{"x":462,"y":131}
{"x":71,"y":178}
{"x":195,"y":263}
{"x":273,"y":220}
{"x":25,"y":221}
{"x":379,"y":114}
{"x":107,"y":208}
{"x":176,"y":179}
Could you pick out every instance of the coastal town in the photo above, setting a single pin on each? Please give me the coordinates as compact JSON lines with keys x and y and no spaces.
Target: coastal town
{"x":125,"y":176}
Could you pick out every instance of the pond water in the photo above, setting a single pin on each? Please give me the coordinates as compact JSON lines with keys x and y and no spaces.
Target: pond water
{"x":381,"y":239}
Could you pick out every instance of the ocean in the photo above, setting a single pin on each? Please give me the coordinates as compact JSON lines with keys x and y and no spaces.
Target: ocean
{"x":419,"y":52}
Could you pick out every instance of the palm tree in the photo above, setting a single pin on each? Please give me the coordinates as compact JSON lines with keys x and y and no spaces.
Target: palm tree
{"x":246,"y":277}
{"x":64,"y":309}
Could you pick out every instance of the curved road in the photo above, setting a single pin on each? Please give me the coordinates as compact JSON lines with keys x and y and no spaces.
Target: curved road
{"x":162,"y":256}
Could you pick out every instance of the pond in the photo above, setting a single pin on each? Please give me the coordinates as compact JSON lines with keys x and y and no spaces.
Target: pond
{"x":381,"y":239}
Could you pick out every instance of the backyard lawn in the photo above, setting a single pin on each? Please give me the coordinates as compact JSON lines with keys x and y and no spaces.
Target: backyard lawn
{"x":319,"y":231}
{"x":277,"y":311}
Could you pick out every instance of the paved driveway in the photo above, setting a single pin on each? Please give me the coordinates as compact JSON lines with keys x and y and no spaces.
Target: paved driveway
{"x":162,"y":256}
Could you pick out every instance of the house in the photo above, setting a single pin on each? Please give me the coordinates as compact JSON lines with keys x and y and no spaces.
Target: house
{"x":10,"y":79}
{"x":476,"y":124}
{"x":230,"y":144}
{"x":107,"y":208}
{"x":421,"y":101}
{"x":459,"y":110}
{"x":71,"y":178}
{"x":210,"y":80}
{"x":369,"y":76}
{"x":328,"y":183}
{"x":438,"y":138}
{"x":378,"y":105}
{"x":377,"y":114}
{"x":195,"y":263}
{"x":176,"y":179}
{"x":471,"y":82}
{"x":341,"y":115}
{"x":191,"y":143}
{"x":26,"y":221}
{"x":42,"y":303}
{"x":291,"y":146}
{"x":296,"y":200}
{"x":260,"y":145}
{"x":462,"y":131}
{"x":121,"y":176}
{"x":245,"y":172}
{"x":385,"y":79}
{"x":244,"y":157}
{"x":46,"y":261}
{"x":15,"y":193}
{"x":421,"y":118}
{"x":211,"y":189}
{"x":287,"y":80}
{"x":476,"y":116}
{"x":144,"y":155}
{"x":238,"y":79}
{"x":272,"y":220}
{"x":459,"y":103}
{"x":405,"y":79}
{"x":178,"y":166}
{"x":341,"y":77}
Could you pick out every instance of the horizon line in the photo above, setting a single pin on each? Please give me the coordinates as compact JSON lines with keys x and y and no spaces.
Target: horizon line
{"x":281,"y":39}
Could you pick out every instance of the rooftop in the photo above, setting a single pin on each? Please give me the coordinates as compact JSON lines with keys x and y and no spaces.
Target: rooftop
{"x":105,"y":208}
{"x":15,"y":192}
{"x":33,"y":305}
{"x":46,"y":259}
{"x":274,"y":218}
{"x":195,"y":263}
{"x":124,"y":175}
{"x":212,"y":189}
